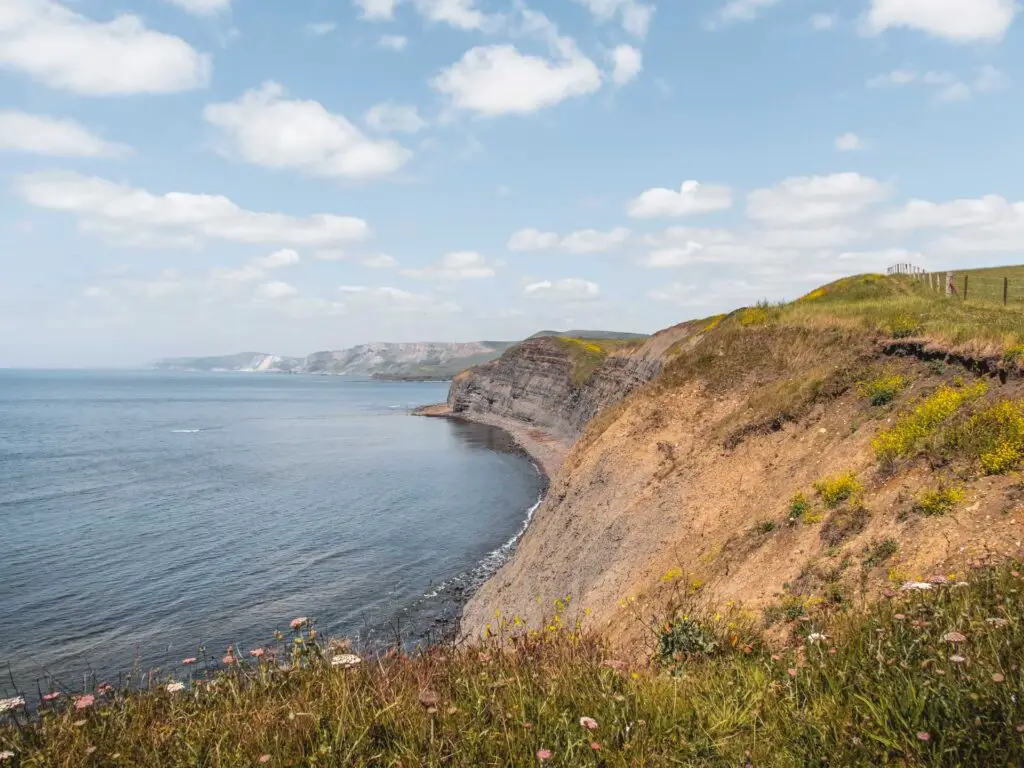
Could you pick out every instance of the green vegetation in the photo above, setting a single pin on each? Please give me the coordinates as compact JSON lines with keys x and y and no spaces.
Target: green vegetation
{"x":986,"y":285}
{"x":798,"y":507}
{"x":837,"y":489}
{"x":939,"y":501}
{"x":993,"y":436}
{"x":880,"y":552}
{"x":927,"y":678}
{"x":883,"y":389}
{"x":911,"y":430}
{"x":765,"y":527}
{"x":587,"y":355}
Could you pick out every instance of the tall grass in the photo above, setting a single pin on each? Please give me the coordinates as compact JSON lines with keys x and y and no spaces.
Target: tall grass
{"x":926,"y":678}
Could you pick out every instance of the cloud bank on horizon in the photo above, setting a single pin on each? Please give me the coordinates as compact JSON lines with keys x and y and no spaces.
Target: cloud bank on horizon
{"x":202,"y":176}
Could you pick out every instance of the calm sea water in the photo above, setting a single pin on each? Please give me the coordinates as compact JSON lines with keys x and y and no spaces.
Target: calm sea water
{"x":145,"y":514}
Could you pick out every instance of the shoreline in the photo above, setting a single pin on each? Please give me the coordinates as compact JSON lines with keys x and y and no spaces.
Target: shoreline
{"x":544,"y":450}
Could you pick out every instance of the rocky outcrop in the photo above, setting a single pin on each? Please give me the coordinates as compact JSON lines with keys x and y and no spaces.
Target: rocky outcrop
{"x":536,"y":384}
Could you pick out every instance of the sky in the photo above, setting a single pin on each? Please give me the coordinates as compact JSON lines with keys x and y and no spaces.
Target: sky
{"x":200,"y":177}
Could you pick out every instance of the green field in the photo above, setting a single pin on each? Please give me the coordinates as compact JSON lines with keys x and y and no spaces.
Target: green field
{"x":986,"y":285}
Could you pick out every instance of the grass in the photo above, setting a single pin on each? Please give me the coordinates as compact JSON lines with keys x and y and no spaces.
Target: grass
{"x":924,"y":679}
{"x":880,"y":552}
{"x":986,"y":285}
{"x":883,"y":389}
{"x":586,"y":355}
{"x":798,"y":507}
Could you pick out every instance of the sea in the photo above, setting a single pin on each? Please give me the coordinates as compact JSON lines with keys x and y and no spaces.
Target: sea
{"x":147,"y":517}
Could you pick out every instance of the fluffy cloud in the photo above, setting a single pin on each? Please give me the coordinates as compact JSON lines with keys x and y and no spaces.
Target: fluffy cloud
{"x":257,"y":269}
{"x":956,"y":20}
{"x":376,"y":10}
{"x":393,"y":42}
{"x":987,"y":223}
{"x":274,"y":291}
{"x":692,"y":198}
{"x":135,"y":215}
{"x":567,"y":289}
{"x":266,"y":129}
{"x":627,"y":62}
{"x":895,"y":78}
{"x":67,"y":50}
{"x":461,"y":14}
{"x":499,"y":80}
{"x":849,"y":142}
{"x":813,"y":199}
{"x":460,"y":265}
{"x":584,"y":241}
{"x":44,"y":135}
{"x":635,"y":16}
{"x":744,"y":10}
{"x":203,"y":7}
{"x":389,"y":117}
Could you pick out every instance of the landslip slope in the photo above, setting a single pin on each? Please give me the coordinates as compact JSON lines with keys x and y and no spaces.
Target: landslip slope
{"x":744,"y":460}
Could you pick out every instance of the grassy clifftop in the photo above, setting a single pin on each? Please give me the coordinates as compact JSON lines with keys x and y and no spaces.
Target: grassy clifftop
{"x":929,"y":677}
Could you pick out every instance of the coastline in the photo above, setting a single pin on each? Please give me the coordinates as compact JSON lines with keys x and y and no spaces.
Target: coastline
{"x":546,"y":451}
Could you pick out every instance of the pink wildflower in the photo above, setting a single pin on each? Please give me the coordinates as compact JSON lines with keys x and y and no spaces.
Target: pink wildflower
{"x":51,"y":696}
{"x":301,"y":621}
{"x":256,"y":653}
{"x":189,"y":660}
{"x":589,"y":723}
{"x":84,"y":702}
{"x":954,"y":637}
{"x":998,"y":677}
{"x":543,"y":754}
{"x":596,"y":746}
{"x":263,"y":759}
{"x":229,"y":659}
{"x":924,"y":736}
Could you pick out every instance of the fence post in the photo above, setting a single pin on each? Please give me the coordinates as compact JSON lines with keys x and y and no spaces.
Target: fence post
{"x":949,"y":283}
{"x":965,"y":287}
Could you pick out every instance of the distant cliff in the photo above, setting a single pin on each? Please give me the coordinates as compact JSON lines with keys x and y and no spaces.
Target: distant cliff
{"x":417,"y":360}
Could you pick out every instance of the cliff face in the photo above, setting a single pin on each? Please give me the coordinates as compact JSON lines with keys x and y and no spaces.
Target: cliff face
{"x":537,"y":383}
{"x":690,"y":452}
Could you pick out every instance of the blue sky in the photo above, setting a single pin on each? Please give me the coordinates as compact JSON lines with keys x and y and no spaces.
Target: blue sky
{"x":207,"y":176}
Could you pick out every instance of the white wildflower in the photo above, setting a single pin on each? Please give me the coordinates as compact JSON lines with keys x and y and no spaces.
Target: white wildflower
{"x":957,"y":659}
{"x":920,"y":586}
{"x":6,"y":755}
{"x":175,"y":687}
{"x":345,"y":660}
{"x":816,"y":637}
{"x":11,"y":704}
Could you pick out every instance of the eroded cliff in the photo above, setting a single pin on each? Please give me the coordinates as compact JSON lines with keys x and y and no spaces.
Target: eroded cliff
{"x":705,"y":456}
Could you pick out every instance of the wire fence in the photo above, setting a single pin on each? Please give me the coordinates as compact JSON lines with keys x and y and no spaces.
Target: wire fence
{"x":973,"y":286}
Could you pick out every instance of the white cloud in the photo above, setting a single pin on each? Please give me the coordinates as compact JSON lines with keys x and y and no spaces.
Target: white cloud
{"x":43,"y":135}
{"x":286,"y":257}
{"x":567,"y":289}
{"x":822,"y":22}
{"x":956,"y":20}
{"x":321,"y":28}
{"x":330,"y":254}
{"x":203,"y":7}
{"x":257,"y":269}
{"x":849,"y":142}
{"x":691,"y":199}
{"x":990,"y":79}
{"x":130,"y":214}
{"x":895,"y":78}
{"x":981,"y":212}
{"x":379,"y":261}
{"x":274,"y":291}
{"x":499,"y":80}
{"x":376,"y":10}
{"x":813,"y":199}
{"x":584,"y":241}
{"x":393,"y":42}
{"x":459,"y":265}
{"x":388,"y":117}
{"x":266,"y":129}
{"x":744,"y":10}
{"x":674,"y":292}
{"x":532,"y":240}
{"x":949,"y":88}
{"x":67,"y":50}
{"x":665,"y":258}
{"x":635,"y":16}
{"x":877,"y":261}
{"x":627,"y":62}
{"x":461,"y":14}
